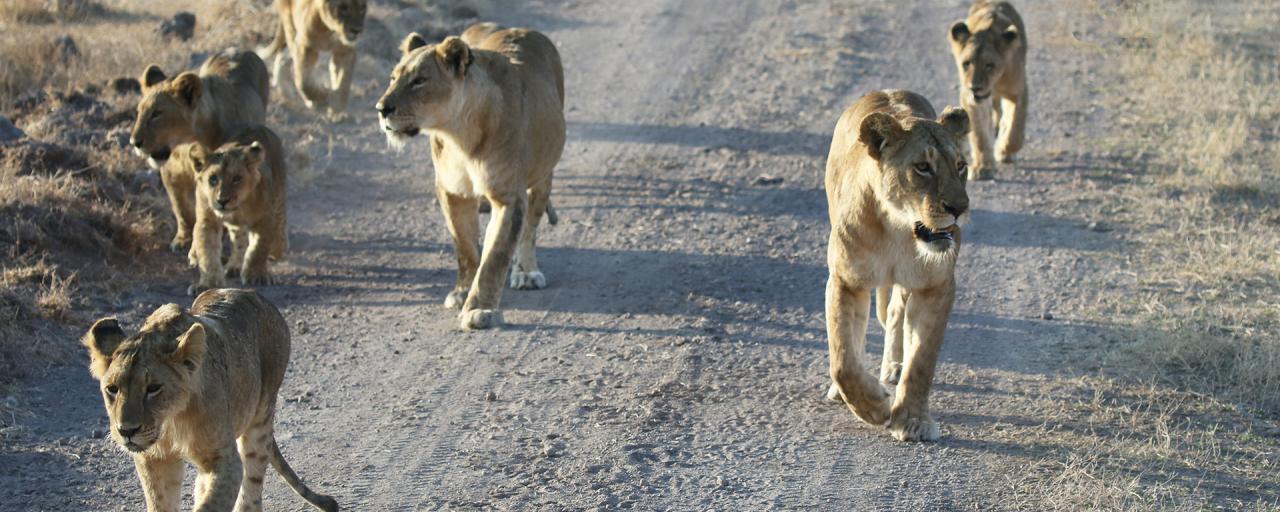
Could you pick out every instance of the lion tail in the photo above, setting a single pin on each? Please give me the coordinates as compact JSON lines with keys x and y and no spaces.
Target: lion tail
{"x":277,"y":44}
{"x":320,"y":501}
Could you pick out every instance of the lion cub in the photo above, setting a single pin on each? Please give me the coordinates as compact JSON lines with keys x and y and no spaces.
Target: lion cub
{"x":200,"y":386}
{"x":241,"y":187}
{"x":309,"y":27}
{"x":896,"y":189}
{"x":229,"y":92}
{"x":493,"y":103}
{"x":990,"y":48}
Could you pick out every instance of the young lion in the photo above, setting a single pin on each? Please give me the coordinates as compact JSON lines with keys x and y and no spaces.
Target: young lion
{"x":229,"y":92}
{"x":990,"y":49}
{"x":309,"y":27}
{"x":194,"y":385}
{"x":896,"y":189}
{"x":241,"y":186}
{"x":493,"y":103}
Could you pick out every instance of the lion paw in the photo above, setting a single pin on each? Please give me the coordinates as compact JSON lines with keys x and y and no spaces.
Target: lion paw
{"x":257,"y":280}
{"x":455,"y":299}
{"x":197,"y":289}
{"x":191,"y":257}
{"x":233,"y":271}
{"x":983,"y":173}
{"x":179,"y":243}
{"x":890,"y":373}
{"x":534,"y":280}
{"x":833,"y":393}
{"x":914,"y":427}
{"x":480,"y":319}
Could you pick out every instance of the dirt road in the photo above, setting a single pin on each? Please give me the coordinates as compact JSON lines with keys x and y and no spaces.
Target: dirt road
{"x":678,"y":359}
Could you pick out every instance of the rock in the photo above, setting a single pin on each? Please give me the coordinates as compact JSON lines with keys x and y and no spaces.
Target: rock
{"x":8,"y":131}
{"x":1046,"y":316}
{"x":125,"y":85}
{"x":552,"y":449}
{"x":64,"y":49}
{"x":491,"y":397}
{"x":68,"y":8}
{"x":95,"y":433}
{"x":181,"y":26}
{"x":765,"y":180}
{"x":1099,"y":227}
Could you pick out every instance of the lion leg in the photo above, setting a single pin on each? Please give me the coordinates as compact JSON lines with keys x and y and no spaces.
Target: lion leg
{"x":255,"y":452}
{"x":277,"y":68}
{"x":341,"y":67}
{"x":280,"y":237}
{"x":481,"y":309}
{"x":1012,"y":127}
{"x":848,"y":310}
{"x":206,"y":247}
{"x":181,"y":188}
{"x":218,"y":481}
{"x":304,"y":61}
{"x":926,"y":317}
{"x":894,"y":334}
{"x":980,"y":139}
{"x":161,"y":482}
{"x":255,"y":271}
{"x":463,"y":217}
{"x":524,"y":271}
{"x":239,"y":238}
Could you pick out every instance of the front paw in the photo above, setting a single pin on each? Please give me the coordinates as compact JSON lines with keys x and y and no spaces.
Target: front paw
{"x":983,"y":173}
{"x":534,"y":280}
{"x":456,"y":299}
{"x":256,"y":279}
{"x":890,"y":373}
{"x":833,"y":393}
{"x":867,"y":399}
{"x":198,"y":288}
{"x":1005,"y":158}
{"x":192,"y":260}
{"x":338,"y":116}
{"x":179,"y":243}
{"x":474,"y":319}
{"x":913,"y":426}
{"x":233,"y":271}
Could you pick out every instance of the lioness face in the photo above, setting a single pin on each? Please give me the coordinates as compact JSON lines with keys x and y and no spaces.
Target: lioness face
{"x":145,"y":380}
{"x":166,"y":114}
{"x":981,"y":54}
{"x":227,"y":177}
{"x":346,"y":18}
{"x":426,"y":88}
{"x":922,"y":174}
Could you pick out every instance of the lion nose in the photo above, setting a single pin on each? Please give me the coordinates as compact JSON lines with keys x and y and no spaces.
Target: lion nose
{"x":127,"y":432}
{"x":355,"y":32}
{"x":956,"y":210}
{"x":384,"y":109}
{"x":222,"y":203}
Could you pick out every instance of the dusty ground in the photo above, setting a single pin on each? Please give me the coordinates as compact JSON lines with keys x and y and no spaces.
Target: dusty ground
{"x":678,"y":360}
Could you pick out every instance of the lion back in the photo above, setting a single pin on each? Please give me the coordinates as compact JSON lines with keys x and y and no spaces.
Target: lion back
{"x":529,"y":50}
{"x":246,"y":85}
{"x":249,"y":327}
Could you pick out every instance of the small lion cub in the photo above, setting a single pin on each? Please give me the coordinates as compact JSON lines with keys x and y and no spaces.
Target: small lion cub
{"x":241,"y":187}
{"x":199,"y":386}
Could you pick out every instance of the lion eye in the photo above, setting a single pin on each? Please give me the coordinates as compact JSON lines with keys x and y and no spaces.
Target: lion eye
{"x":213,"y":180}
{"x":923,"y":169}
{"x":968,"y":63}
{"x":152,"y":390}
{"x":112,"y":390}
{"x":417,"y":81}
{"x":155,"y":115}
{"x":990,"y":67}
{"x":963,"y":169}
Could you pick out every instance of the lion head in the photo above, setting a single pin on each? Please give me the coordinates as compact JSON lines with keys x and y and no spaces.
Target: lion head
{"x":983,"y":52}
{"x":228,"y":176}
{"x":426,"y":87}
{"x":148,"y":378}
{"x":345,"y":18}
{"x":922,"y":173}
{"x":166,"y":114}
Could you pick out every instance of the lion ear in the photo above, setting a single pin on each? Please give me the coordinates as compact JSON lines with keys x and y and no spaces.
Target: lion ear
{"x":877,"y":131}
{"x":195,"y":153}
{"x":191,"y":347}
{"x":188,"y":88}
{"x":959,"y":32}
{"x":456,"y":55}
{"x":412,"y":42}
{"x":152,"y":76}
{"x":255,"y":154}
{"x":102,"y":340}
{"x":1010,"y":35}
{"x":955,"y":120}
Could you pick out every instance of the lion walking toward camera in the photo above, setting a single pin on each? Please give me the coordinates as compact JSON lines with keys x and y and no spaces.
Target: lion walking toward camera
{"x":493,"y":104}
{"x":990,"y":49}
{"x":308,"y":28}
{"x":896,"y":191}
{"x":199,"y":386}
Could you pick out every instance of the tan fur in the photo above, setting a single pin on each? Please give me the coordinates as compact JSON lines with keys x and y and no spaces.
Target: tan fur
{"x":990,"y":49}
{"x":229,"y":92}
{"x":493,"y":104}
{"x":309,"y":28}
{"x":892,"y":173}
{"x":242,"y":187}
{"x":199,"y":386}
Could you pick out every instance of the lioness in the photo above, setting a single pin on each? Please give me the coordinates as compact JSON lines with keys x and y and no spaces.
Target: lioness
{"x":194,"y":385}
{"x":229,"y":92}
{"x":493,"y":103}
{"x":309,"y":27}
{"x":990,"y":48}
{"x":241,"y":187}
{"x":896,"y":189}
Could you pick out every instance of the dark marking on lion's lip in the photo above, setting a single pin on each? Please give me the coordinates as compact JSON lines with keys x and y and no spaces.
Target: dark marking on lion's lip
{"x":924,"y":234}
{"x":133,"y":447}
{"x":161,"y":155}
{"x":411,"y":131}
{"x":981,"y":97}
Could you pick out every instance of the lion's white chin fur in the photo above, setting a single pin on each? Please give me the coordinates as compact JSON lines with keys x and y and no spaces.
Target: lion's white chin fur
{"x":397,"y":141}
